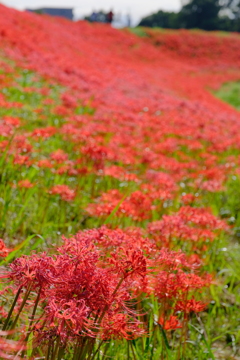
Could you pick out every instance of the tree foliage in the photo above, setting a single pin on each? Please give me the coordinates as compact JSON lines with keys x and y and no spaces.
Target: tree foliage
{"x":201,"y":14}
{"x":161,"y":19}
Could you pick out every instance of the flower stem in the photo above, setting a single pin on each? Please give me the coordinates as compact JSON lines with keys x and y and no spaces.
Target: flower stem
{"x":22,"y":305}
{"x":12,"y":308}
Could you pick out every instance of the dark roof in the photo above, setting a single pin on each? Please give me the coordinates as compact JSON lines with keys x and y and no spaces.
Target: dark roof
{"x":67,"y":13}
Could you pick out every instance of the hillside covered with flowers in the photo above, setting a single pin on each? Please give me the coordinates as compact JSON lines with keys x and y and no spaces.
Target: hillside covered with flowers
{"x":119,"y":192}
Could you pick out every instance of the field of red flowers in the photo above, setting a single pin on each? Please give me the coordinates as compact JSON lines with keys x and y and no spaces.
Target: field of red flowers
{"x":119,"y":192}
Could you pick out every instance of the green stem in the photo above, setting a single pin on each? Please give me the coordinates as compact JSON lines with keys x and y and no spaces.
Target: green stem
{"x":12,"y":308}
{"x":60,"y":353}
{"x":133,"y":351}
{"x":100,"y":344}
{"x":78,"y":349}
{"x":55,"y":351}
{"x":113,"y":294}
{"x":22,"y":305}
{"x":33,"y":314}
{"x":30,"y":328}
{"x":83,"y":353}
{"x":48,"y":351}
{"x":106,"y":349}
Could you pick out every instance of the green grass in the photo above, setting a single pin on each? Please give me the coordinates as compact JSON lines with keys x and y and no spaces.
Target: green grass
{"x":142,"y":31}
{"x":230,"y":93}
{"x":139,"y":31}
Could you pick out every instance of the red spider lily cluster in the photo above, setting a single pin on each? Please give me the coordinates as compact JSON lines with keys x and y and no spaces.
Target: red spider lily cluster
{"x":88,"y":292}
{"x":134,"y":137}
{"x":64,"y":191}
{"x":195,"y":225}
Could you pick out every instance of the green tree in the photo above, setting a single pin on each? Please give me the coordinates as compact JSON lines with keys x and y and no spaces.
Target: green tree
{"x":201,"y":14}
{"x":164,"y":19}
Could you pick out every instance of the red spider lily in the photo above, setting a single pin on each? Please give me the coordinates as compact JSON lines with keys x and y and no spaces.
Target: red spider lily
{"x":78,"y":290}
{"x":4,"y":144}
{"x":119,"y":173}
{"x":173,"y":285}
{"x":175,"y":276}
{"x":154,"y":193}
{"x":72,"y":313}
{"x":202,"y":217}
{"x":59,"y":156}
{"x":45,"y":163}
{"x":22,"y":160}
{"x":106,"y":238}
{"x":48,"y":101}
{"x":69,"y":100}
{"x":119,"y":326}
{"x":9,"y":347}
{"x":190,"y":306}
{"x":26,"y":184}
{"x":211,"y":185}
{"x":62,"y":110}
{"x":171,"y":260}
{"x":195,"y":259}
{"x":5,"y":130}
{"x":171,"y":324}
{"x":129,"y":262}
{"x":67,"y":168}
{"x":97,"y":153}
{"x":15,"y":122}
{"x":137,"y":206}
{"x":188,"y":199}
{"x":162,"y":180}
{"x":64,"y":191}
{"x":34,"y":271}
{"x":8,"y":125}
{"x":84,"y":292}
{"x":20,"y":145}
{"x":44,"y":132}
{"x":194,"y":224}
{"x":3,"y":250}
{"x":163,"y":133}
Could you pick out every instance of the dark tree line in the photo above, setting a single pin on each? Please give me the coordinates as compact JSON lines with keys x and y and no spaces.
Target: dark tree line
{"x":202,"y":14}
